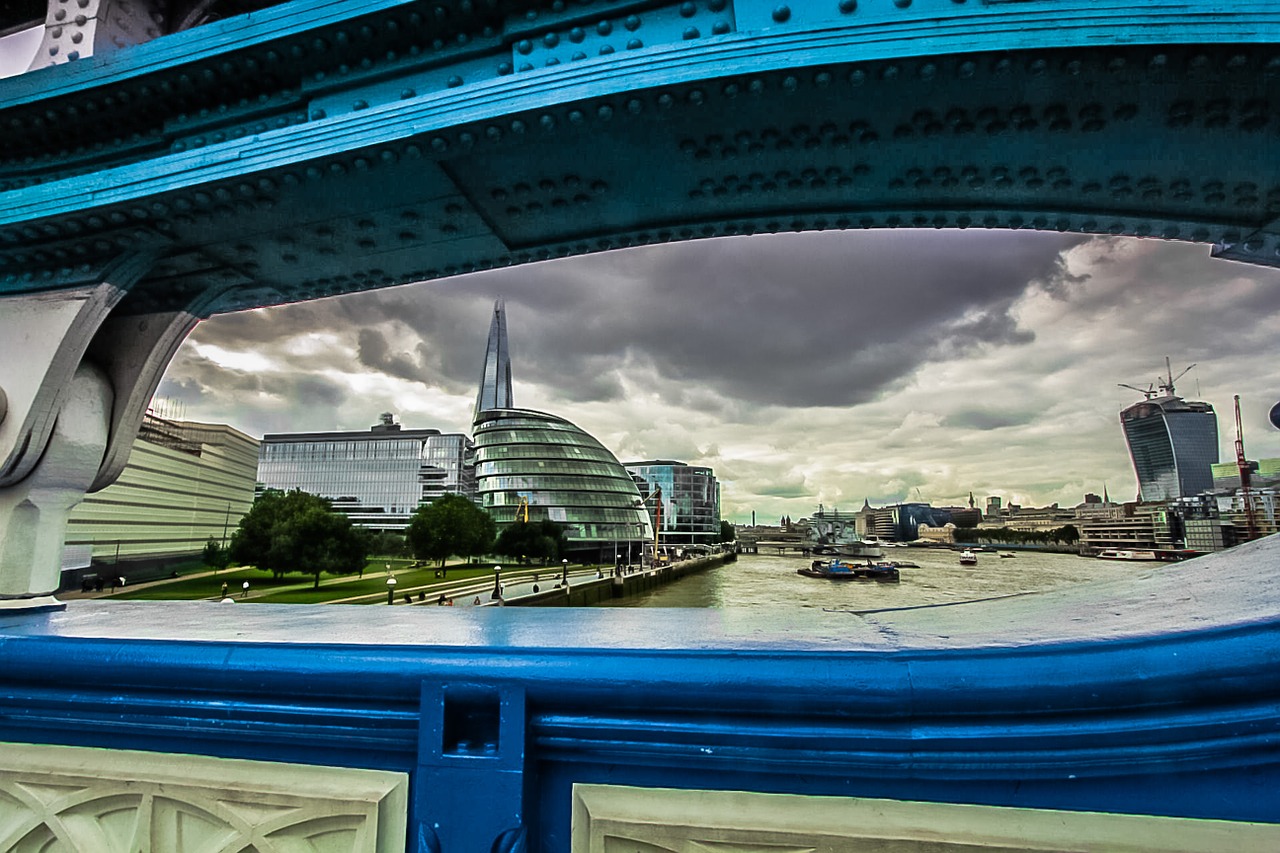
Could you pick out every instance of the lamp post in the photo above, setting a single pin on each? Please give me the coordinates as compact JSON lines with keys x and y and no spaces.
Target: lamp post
{"x":564,"y":572}
{"x":497,"y":584}
{"x":391,"y":590}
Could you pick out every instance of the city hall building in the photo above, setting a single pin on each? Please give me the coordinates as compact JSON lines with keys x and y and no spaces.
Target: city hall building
{"x":534,"y":466}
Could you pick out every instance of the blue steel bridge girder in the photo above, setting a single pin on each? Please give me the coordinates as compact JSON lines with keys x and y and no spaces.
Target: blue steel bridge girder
{"x":318,"y":148}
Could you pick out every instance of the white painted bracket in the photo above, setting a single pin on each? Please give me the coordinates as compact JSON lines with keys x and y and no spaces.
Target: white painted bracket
{"x":43,"y":338}
{"x":34,"y":512}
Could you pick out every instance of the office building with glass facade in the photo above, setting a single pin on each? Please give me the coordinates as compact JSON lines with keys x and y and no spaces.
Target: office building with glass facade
{"x":495,"y":379}
{"x":377,"y":478}
{"x":683,"y":501}
{"x":541,"y":465}
{"x":1173,"y":444}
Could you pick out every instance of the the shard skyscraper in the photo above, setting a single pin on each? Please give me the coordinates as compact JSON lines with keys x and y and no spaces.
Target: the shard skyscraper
{"x":495,"y":383}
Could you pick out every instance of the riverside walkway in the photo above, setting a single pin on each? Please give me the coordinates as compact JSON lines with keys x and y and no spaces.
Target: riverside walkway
{"x":526,"y":585}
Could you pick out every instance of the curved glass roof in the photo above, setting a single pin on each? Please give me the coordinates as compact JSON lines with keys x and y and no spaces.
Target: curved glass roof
{"x":560,"y":472}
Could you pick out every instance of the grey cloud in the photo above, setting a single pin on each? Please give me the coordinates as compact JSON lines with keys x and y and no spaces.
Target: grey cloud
{"x":374,"y":351}
{"x":799,"y":489}
{"x":985,"y":419}
{"x":793,"y":319}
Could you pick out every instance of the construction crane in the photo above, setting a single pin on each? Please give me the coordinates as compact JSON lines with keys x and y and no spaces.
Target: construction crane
{"x":1243,"y":465}
{"x":1168,"y":388}
{"x":1147,"y":393}
{"x":1165,"y":383}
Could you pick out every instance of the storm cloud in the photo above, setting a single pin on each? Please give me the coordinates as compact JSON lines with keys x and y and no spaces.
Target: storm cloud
{"x":804,"y":368}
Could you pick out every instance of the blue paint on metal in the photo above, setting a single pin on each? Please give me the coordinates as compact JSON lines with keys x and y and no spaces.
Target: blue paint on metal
{"x":319,"y":148}
{"x":1156,"y":693}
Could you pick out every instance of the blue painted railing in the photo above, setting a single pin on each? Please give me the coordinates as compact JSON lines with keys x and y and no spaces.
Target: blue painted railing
{"x":1153,"y":694}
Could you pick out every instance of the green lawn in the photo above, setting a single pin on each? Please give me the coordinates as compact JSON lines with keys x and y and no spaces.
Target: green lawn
{"x":296,"y":588}
{"x":374,"y":584}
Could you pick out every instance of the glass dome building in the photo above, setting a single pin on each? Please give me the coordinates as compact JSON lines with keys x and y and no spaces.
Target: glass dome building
{"x":527,"y":459}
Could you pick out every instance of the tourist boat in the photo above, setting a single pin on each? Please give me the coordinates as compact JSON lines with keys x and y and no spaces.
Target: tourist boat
{"x":838,"y":570}
{"x":968,"y":558}
{"x":1144,"y":556}
{"x":834,"y":534}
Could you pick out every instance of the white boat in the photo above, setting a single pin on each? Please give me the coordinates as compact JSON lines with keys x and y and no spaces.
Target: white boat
{"x":1132,"y":555}
{"x":968,"y":558}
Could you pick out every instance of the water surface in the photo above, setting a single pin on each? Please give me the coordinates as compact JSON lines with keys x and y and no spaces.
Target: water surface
{"x":762,"y":581}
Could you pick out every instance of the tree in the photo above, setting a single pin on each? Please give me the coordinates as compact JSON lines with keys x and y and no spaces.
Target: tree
{"x":543,"y":540}
{"x":450,"y":525}
{"x":387,"y":544}
{"x":298,"y":532}
{"x":215,"y":556}
{"x":727,"y":532}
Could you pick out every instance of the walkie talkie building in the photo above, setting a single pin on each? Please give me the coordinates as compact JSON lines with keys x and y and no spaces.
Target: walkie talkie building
{"x":1173,"y":444}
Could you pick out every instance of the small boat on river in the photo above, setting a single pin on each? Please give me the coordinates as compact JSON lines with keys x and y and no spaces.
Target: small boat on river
{"x":1129,"y":554}
{"x":838,"y":570}
{"x":968,"y":558}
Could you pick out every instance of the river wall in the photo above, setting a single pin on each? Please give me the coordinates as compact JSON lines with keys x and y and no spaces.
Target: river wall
{"x":594,"y":591}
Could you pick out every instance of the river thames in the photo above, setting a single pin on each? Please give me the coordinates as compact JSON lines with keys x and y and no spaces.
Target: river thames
{"x":761,"y":581}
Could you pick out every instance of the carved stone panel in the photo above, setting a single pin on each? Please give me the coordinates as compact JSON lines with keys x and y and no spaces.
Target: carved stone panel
{"x":617,"y":819}
{"x":56,"y":799}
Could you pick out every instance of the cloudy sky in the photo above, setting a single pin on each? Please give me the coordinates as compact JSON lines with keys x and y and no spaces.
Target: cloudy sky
{"x":804,"y":368}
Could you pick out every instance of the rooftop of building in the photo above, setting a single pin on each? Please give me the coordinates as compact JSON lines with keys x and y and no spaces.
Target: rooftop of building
{"x":376,"y":433}
{"x":189,"y":436}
